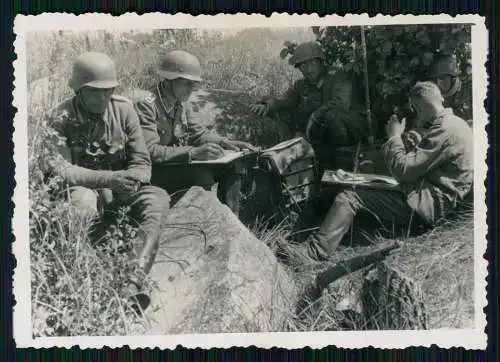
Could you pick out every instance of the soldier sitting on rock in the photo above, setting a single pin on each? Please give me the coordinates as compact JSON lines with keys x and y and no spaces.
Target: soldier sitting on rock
{"x":320,"y":106}
{"x":175,"y":134}
{"x":104,"y":159}
{"x":434,"y":177}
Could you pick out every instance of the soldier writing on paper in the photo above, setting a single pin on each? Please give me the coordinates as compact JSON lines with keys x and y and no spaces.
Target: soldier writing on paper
{"x":104,"y":159}
{"x":434,"y":176}
{"x":323,"y":107}
{"x":173,"y":134}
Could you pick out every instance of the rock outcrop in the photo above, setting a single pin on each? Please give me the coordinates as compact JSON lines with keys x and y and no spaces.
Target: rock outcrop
{"x":228,"y":282}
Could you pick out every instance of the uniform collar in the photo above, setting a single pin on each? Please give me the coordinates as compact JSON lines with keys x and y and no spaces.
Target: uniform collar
{"x":166,"y":99}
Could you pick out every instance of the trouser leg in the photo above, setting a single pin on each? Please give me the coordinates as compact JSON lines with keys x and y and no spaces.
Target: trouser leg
{"x":339,"y":128}
{"x":387,"y":206}
{"x":148,"y":208}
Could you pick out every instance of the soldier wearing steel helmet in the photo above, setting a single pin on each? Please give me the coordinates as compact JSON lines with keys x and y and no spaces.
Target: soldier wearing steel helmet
{"x":321,"y":106}
{"x":174,"y":134}
{"x":445,"y":72}
{"x":104,"y":160}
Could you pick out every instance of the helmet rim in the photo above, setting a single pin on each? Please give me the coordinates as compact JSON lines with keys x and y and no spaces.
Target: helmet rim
{"x":174,"y":75}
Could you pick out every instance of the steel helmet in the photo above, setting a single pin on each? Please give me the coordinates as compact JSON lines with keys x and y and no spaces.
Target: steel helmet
{"x":95,"y":70}
{"x":306,"y":51}
{"x":445,"y":65}
{"x":180,"y":64}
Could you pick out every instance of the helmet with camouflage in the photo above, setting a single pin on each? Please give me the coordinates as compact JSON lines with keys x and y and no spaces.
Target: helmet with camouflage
{"x":180,"y":64}
{"x":306,"y":51}
{"x":93,"y":69}
{"x":444,"y":65}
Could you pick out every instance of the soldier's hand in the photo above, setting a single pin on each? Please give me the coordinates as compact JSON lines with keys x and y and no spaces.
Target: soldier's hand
{"x":259,"y":109}
{"x":124,"y":182}
{"x":237,"y":145}
{"x":208,"y":151}
{"x":395,"y":127}
{"x":310,"y":123}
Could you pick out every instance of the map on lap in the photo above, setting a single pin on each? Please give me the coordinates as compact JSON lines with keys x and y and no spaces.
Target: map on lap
{"x":341,"y":177}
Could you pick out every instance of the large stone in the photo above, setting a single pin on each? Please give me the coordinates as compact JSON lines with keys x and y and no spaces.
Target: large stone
{"x":230,"y":283}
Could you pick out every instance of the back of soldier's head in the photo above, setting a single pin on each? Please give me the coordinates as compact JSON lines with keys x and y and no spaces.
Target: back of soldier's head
{"x":425,"y":99}
{"x":427,"y":92}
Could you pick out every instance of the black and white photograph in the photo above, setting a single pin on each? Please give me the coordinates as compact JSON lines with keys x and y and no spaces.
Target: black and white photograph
{"x":212,"y":181}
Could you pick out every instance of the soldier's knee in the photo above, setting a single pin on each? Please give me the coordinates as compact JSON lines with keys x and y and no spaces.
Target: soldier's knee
{"x":157,"y":196}
{"x":349,"y":198}
{"x":83,"y":198}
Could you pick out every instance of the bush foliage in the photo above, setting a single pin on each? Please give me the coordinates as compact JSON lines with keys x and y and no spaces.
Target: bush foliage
{"x":397,"y":57}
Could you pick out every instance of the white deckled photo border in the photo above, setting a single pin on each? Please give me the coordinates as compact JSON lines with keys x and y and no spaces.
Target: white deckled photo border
{"x":471,"y":338}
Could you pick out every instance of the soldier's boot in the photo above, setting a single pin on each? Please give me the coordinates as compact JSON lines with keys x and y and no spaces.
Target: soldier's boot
{"x":144,"y":256}
{"x":322,"y":243}
{"x":150,"y":205}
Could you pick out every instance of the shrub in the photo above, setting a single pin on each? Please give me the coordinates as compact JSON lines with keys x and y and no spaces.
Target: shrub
{"x":398,"y":56}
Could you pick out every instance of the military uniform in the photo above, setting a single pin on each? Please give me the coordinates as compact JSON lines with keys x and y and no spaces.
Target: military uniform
{"x":340,"y":121}
{"x":434,"y":176}
{"x":171,"y":129}
{"x":95,"y":147}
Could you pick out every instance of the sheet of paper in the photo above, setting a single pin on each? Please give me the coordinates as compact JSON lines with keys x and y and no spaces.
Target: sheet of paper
{"x":228,"y":157}
{"x":359,"y":179}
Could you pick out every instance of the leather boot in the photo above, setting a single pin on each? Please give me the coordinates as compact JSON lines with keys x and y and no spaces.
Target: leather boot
{"x":319,"y":245}
{"x":336,"y":224}
{"x":145,"y":256}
